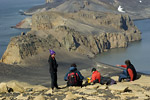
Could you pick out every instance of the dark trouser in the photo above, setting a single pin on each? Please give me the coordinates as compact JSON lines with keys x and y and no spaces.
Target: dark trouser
{"x":124,"y":75}
{"x":54,"y":80}
{"x":95,"y":81}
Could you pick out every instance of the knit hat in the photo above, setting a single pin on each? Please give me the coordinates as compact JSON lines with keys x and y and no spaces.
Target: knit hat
{"x":73,"y":65}
{"x":52,"y":52}
{"x":93,"y":69}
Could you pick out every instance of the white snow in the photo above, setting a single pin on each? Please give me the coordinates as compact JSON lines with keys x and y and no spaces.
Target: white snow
{"x":120,"y":9}
{"x":140,"y":1}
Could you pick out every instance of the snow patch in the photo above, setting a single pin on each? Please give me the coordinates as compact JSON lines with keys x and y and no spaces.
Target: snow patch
{"x":120,"y":9}
{"x":140,"y":1}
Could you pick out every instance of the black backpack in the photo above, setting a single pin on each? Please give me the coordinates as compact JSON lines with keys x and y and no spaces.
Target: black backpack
{"x":73,"y":79}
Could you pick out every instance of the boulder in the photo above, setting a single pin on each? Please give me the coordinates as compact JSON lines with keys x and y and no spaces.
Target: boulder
{"x":39,"y":88}
{"x":39,"y":97}
{"x":70,"y":96}
{"x":50,"y":91}
{"x":3,"y":88}
{"x":102,"y":87}
{"x":21,"y":97}
{"x":118,"y":87}
{"x":95,"y":86}
{"x":87,"y":91}
{"x":16,"y":87}
{"x":74,"y":88}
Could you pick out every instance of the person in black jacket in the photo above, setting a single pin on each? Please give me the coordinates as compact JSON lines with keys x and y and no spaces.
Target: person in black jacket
{"x":53,"y":69}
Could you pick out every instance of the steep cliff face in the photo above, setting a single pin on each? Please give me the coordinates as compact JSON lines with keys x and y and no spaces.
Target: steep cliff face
{"x":21,"y":47}
{"x":87,"y":33}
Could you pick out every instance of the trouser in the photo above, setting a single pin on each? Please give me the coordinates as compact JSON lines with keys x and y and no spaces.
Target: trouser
{"x":124,"y":75}
{"x":54,"y":80}
{"x":95,"y":81}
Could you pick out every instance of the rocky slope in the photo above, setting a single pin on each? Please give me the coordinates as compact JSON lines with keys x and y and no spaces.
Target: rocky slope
{"x":85,"y":32}
{"x":137,"y":9}
{"x":138,"y":90}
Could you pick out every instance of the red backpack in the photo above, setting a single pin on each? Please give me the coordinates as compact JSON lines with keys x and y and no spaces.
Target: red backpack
{"x":73,"y":79}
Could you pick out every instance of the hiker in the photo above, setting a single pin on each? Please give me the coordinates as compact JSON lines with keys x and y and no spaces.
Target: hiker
{"x":73,"y":77}
{"x":96,"y":76}
{"x":130,"y":72}
{"x":53,"y":69}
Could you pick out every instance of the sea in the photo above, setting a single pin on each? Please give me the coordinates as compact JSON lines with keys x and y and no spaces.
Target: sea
{"x":10,"y":16}
{"x":138,"y":52}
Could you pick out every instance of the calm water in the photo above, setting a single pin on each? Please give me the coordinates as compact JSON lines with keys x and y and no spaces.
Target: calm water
{"x":9,"y":16}
{"x":137,"y":52}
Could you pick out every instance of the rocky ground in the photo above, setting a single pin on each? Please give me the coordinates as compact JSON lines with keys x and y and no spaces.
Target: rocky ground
{"x":136,"y":90}
{"x":33,"y":83}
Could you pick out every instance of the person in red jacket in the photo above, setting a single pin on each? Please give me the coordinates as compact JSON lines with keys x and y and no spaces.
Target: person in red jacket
{"x":130,"y":72}
{"x":96,"y":76}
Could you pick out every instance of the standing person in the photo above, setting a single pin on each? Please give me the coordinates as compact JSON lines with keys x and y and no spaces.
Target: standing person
{"x":73,"y":77}
{"x":96,"y":76}
{"x":130,"y":72}
{"x":53,"y":69}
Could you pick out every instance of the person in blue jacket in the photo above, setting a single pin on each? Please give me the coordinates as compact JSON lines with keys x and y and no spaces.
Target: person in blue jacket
{"x":73,"y":77}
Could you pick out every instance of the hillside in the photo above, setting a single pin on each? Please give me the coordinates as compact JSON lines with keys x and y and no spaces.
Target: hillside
{"x":137,"y":9}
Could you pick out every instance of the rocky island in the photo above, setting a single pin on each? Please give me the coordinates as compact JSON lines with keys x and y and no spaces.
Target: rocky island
{"x":77,"y":30}
{"x":84,"y":32}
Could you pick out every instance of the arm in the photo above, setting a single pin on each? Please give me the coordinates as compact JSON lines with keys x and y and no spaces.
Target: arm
{"x":51,"y":69}
{"x":124,"y":66}
{"x":66,"y":76}
{"x":93,"y":78}
{"x":130,"y":74}
{"x":80,"y":75}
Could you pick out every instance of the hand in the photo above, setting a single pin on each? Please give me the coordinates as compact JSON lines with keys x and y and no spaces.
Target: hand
{"x":118,"y":65}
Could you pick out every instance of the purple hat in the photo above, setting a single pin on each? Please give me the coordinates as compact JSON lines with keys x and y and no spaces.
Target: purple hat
{"x":52,"y":52}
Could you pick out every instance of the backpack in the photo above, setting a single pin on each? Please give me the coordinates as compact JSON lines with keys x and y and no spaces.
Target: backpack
{"x":73,"y":79}
{"x":111,"y":82}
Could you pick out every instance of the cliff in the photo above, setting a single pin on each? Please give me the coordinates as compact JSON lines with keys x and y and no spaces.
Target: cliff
{"x":84,"y":32}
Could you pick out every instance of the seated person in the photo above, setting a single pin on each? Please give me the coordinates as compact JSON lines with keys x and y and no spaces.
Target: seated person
{"x":73,"y":77}
{"x":129,"y":73}
{"x":96,"y":76}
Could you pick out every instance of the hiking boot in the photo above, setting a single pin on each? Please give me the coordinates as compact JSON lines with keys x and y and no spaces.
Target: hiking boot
{"x":58,"y":88}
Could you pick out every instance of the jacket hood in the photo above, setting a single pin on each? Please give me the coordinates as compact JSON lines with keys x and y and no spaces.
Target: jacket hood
{"x":72,"y":68}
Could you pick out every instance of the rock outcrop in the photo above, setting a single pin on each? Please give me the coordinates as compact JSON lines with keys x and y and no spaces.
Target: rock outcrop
{"x":26,"y":23}
{"x":85,"y":32}
{"x":23,"y":46}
